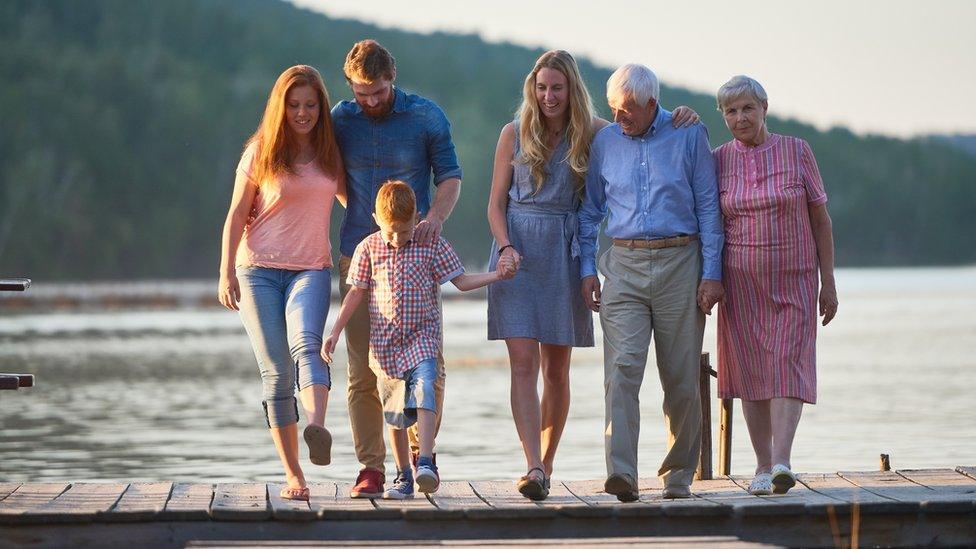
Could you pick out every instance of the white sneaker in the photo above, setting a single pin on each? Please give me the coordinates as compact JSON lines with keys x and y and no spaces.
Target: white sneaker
{"x":783,"y":479}
{"x":761,"y":485}
{"x":428,"y":480}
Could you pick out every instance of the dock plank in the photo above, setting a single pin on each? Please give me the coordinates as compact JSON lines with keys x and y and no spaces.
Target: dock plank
{"x":506,"y":501}
{"x":891,"y":485}
{"x":457,"y":495}
{"x":952,"y":492}
{"x":82,"y":502}
{"x":7,"y":488}
{"x":732,"y":493}
{"x":840,"y":488}
{"x":799,"y":499}
{"x":290,"y":509}
{"x":189,"y":502}
{"x":140,"y":502}
{"x":236,"y":501}
{"x":27,"y":497}
{"x":337,"y":505}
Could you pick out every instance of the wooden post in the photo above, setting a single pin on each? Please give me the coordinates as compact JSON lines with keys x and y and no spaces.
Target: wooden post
{"x":725,"y":438}
{"x":704,"y":471}
{"x":885,"y":462}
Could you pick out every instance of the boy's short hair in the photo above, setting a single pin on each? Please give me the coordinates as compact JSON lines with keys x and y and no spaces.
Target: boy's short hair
{"x":368,"y":62}
{"x":395,"y":202}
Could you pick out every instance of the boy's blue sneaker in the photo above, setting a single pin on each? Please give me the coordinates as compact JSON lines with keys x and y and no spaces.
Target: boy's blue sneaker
{"x":402,"y":487}
{"x":428,"y":480}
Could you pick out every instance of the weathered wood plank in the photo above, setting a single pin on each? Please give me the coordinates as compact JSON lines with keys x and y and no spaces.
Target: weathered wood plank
{"x":651,"y":492}
{"x":83,"y":502}
{"x":27,"y":497}
{"x":890,"y":485}
{"x":233,"y":501}
{"x":7,"y":488}
{"x":290,"y":509}
{"x":799,"y":500}
{"x":418,"y":507}
{"x":189,"y":502}
{"x":140,"y":502}
{"x":457,"y":495}
{"x":952,"y":492}
{"x":339,"y":506}
{"x":506,"y":502}
{"x":566,"y":503}
{"x":834,"y":486}
{"x":730,"y":492}
{"x":968,"y":471}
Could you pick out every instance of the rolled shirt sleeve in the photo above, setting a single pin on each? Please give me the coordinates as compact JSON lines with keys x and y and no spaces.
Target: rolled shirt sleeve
{"x":440,"y":146}
{"x":704,"y":184}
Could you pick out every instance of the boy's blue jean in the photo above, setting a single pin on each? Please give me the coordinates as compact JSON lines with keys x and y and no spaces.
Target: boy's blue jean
{"x":284,"y":314}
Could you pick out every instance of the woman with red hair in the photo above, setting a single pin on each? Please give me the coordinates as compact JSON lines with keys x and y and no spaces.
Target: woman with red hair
{"x":276,"y":260}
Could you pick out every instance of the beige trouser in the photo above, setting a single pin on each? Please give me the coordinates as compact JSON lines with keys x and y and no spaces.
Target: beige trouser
{"x":652,"y":292}
{"x":365,"y":409}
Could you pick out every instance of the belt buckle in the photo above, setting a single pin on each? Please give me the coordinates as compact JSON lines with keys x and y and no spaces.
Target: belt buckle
{"x":630,"y":244}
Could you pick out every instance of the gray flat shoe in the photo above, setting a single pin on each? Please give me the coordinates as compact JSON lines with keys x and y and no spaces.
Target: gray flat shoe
{"x":319,"y":442}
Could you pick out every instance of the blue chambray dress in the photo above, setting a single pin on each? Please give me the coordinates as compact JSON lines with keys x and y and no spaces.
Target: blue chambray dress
{"x":543,"y":301}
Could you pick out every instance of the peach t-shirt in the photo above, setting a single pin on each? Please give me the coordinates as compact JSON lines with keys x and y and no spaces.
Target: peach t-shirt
{"x":288,"y":227}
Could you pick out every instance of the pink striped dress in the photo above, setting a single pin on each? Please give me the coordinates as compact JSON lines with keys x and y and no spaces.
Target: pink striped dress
{"x":767,"y":325}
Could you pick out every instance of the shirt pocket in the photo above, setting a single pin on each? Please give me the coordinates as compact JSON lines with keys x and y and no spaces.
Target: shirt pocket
{"x":416,"y":275}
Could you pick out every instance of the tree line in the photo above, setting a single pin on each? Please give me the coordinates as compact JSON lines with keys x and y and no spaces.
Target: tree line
{"x":121,"y":123}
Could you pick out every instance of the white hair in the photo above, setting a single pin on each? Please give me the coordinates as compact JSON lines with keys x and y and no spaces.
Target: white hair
{"x":635,"y":81}
{"x":739,"y":86}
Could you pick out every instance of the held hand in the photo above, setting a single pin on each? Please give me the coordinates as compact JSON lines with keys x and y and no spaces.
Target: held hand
{"x":506,"y":268}
{"x":328,"y":347}
{"x":428,"y":230}
{"x":591,"y":293}
{"x":684,"y":116}
{"x":828,"y":303}
{"x":512,"y":255}
{"x":229,"y":291}
{"x":710,"y":292}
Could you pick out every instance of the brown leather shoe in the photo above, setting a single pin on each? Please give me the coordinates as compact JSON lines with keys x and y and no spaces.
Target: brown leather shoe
{"x":622,"y":486}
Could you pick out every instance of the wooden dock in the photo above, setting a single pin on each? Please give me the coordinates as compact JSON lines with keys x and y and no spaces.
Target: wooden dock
{"x":908,"y":507}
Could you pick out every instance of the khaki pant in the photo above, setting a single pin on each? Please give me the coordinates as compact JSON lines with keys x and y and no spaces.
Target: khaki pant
{"x":652,"y":292}
{"x":365,"y":409}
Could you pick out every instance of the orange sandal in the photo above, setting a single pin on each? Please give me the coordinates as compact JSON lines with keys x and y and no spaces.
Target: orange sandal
{"x":297,"y":494}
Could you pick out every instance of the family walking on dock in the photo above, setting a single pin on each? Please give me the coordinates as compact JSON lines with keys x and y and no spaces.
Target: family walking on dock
{"x":744,"y":226}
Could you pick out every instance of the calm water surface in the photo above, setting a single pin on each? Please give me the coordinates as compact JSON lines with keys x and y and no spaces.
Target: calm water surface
{"x":175,"y":395}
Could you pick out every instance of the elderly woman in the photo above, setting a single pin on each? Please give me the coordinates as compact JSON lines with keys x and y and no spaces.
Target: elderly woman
{"x":777,"y":238}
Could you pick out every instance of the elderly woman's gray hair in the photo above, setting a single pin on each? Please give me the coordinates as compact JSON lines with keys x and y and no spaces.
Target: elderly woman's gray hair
{"x":634,"y":81}
{"x":740,"y":86}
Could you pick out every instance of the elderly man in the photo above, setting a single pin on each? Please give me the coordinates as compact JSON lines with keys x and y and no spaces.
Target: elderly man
{"x":385,"y":134}
{"x":662,"y":272}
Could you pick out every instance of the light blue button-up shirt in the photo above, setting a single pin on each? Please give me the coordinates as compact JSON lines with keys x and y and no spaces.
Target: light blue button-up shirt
{"x":657,"y":185}
{"x":411,"y":143}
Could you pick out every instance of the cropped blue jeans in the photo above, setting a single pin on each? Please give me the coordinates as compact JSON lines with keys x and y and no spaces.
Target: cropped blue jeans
{"x":284,"y":314}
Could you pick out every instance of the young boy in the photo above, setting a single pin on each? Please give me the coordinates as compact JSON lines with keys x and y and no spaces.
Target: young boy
{"x":401,"y":278}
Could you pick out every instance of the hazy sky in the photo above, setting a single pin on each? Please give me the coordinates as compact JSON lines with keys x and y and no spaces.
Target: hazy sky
{"x":895,"y":67}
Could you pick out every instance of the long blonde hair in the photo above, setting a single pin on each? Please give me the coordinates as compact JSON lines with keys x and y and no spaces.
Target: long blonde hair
{"x":535,"y":149}
{"x":277,"y":147}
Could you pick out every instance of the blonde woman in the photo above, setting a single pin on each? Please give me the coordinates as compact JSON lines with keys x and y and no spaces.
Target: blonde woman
{"x":540,"y":164}
{"x":276,"y":260}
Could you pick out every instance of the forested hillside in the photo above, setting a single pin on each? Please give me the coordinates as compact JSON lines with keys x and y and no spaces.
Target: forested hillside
{"x":121,"y":122}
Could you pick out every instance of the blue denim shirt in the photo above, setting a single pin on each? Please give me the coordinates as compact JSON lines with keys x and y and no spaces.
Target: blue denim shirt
{"x":656,"y":185}
{"x":410,"y":143}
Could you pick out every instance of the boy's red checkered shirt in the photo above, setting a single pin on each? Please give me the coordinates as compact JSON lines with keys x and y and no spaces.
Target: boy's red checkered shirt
{"x":404,"y":318}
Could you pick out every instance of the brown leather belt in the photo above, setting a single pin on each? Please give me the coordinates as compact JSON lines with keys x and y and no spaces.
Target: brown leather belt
{"x":657,"y":242}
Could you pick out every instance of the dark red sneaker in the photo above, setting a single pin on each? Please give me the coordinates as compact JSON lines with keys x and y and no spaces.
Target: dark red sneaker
{"x":369,"y":484}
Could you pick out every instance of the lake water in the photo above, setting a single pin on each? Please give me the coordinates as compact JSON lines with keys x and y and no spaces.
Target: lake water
{"x":175,"y":395}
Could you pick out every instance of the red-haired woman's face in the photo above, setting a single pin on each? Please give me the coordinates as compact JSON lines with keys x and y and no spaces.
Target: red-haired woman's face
{"x":302,"y":109}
